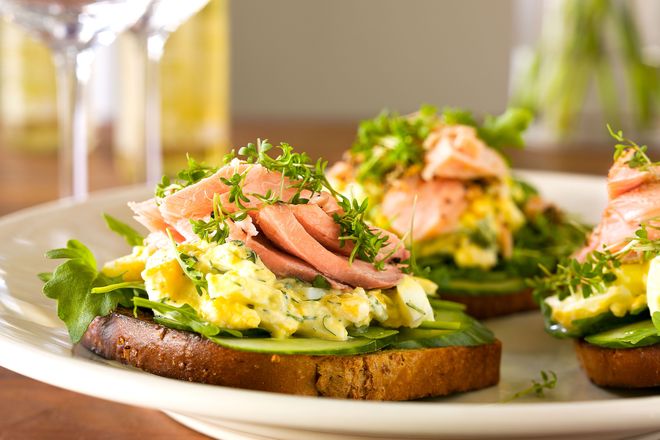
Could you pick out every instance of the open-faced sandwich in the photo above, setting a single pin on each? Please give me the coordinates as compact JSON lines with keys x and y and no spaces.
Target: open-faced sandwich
{"x":259,"y":275}
{"x":608,"y":295}
{"x":440,"y":182}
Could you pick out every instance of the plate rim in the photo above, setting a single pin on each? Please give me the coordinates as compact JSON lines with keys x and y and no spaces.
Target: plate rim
{"x":399,"y":418}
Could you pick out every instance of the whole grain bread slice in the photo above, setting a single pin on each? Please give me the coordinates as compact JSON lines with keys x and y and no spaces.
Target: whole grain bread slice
{"x":620,"y":368}
{"x":491,"y":306}
{"x":383,"y":375}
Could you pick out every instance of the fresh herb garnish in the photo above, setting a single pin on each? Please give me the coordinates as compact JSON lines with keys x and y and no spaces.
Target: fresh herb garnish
{"x":71,"y":285}
{"x":597,"y":271}
{"x":639,"y":159}
{"x":195,"y":172}
{"x":216,"y":229}
{"x":548,"y":382}
{"x":183,"y":317}
{"x":353,"y":227}
{"x":132,"y":237}
{"x":307,"y":179}
{"x":389,"y":145}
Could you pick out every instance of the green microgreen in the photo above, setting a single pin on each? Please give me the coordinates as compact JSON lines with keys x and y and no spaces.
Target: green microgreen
{"x":639,"y":159}
{"x":307,"y":179}
{"x":193,"y":173}
{"x":390,"y":145}
{"x":538,"y":388}
{"x":598,"y":270}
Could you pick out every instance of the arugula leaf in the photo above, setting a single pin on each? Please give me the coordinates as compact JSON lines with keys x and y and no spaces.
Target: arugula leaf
{"x":74,"y":250}
{"x":139,"y":285}
{"x":71,"y":284}
{"x":506,"y":130}
{"x":132,"y":237}
{"x":183,"y":318}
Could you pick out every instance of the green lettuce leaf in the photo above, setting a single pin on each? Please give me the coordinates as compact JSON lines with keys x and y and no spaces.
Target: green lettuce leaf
{"x":183,"y":318}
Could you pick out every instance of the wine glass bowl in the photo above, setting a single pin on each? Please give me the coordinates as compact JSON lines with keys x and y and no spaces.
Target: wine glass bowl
{"x":74,"y":23}
{"x":73,"y":29}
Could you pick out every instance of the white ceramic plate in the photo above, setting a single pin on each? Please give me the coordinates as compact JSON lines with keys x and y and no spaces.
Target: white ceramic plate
{"x":33,"y":342}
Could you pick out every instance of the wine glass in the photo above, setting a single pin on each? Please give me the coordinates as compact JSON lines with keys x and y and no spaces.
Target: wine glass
{"x":152,"y":31}
{"x":73,"y":29}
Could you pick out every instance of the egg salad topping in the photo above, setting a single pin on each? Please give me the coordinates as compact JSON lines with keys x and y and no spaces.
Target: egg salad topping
{"x":240,"y":292}
{"x":624,"y":295}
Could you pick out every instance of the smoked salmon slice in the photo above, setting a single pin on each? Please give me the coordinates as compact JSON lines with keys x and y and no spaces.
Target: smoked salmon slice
{"x":324,"y":229}
{"x":456,"y":152}
{"x":148,"y":214}
{"x":634,"y":199}
{"x":436,"y":206}
{"x":284,"y":265}
{"x":281,"y":227}
{"x":622,"y":178}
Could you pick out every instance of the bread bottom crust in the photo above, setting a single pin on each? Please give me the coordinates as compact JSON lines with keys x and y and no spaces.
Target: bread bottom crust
{"x":383,"y":375}
{"x":620,"y":368}
{"x":490,"y":306}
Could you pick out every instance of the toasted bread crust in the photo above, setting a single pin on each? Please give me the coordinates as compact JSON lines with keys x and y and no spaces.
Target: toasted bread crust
{"x":384,"y":375}
{"x":620,"y":368}
{"x":490,"y":306}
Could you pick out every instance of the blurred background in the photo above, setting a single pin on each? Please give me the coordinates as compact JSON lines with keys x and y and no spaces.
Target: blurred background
{"x":307,"y":71}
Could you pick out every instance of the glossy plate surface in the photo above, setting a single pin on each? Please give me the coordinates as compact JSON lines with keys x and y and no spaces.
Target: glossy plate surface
{"x":34,"y":343}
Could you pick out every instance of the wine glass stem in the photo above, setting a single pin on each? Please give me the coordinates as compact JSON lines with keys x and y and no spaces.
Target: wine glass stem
{"x":155,"y":45}
{"x":73,"y":72}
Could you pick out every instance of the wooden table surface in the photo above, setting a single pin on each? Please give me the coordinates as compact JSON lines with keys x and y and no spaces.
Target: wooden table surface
{"x":30,"y":409}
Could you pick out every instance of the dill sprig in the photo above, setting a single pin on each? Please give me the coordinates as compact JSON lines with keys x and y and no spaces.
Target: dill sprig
{"x":193,"y":173}
{"x":538,"y":388}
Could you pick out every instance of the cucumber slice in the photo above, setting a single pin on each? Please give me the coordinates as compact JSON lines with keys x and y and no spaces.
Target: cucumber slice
{"x":471,"y":333}
{"x":307,"y":346}
{"x":372,"y":332}
{"x":638,"y":334}
{"x":441,"y":304}
{"x":486,"y":287}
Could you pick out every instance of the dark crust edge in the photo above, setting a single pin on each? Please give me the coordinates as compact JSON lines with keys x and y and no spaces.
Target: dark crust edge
{"x":491,"y":306}
{"x":620,"y":367}
{"x":384,"y":375}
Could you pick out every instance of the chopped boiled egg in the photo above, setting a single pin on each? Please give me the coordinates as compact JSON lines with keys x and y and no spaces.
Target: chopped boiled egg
{"x":242,"y":293}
